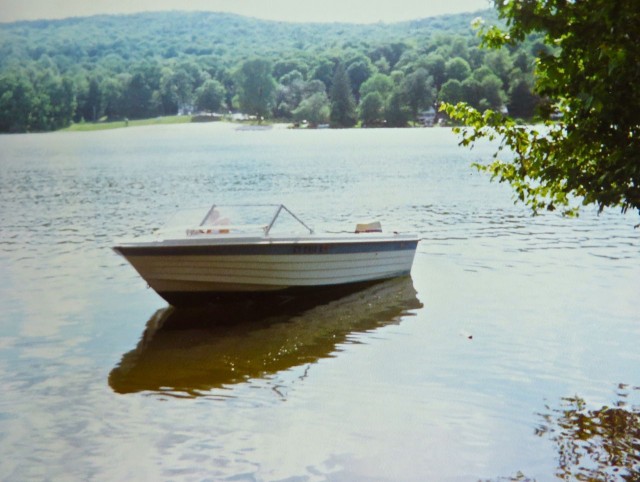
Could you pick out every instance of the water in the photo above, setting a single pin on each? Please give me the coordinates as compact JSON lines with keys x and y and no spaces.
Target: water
{"x":462,"y":372}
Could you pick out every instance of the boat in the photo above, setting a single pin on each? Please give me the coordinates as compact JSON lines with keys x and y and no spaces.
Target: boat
{"x":240,"y":250}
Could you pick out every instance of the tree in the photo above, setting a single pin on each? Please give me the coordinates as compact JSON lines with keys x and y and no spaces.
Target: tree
{"x":62,"y":98}
{"x":372,"y":109}
{"x":457,"y":68}
{"x":289,"y":93}
{"x":137,"y":97}
{"x":17,"y":99}
{"x":379,"y":83}
{"x":407,"y":61}
{"x":314,"y":109}
{"x":256,"y":87}
{"x":176,"y":90}
{"x":592,"y":154}
{"x":451,"y":92}
{"x":92,"y":107}
{"x":482,"y":72}
{"x":396,"y":111}
{"x":291,"y":77}
{"x":436,"y":66}
{"x":419,"y":92}
{"x":283,"y":67}
{"x":343,"y":106}
{"x":323,"y":71}
{"x":523,"y":61}
{"x":492,"y":91}
{"x":390,"y":53}
{"x":459,"y":47}
{"x":500,"y":63}
{"x":382,"y":64}
{"x":472,"y":92}
{"x":112,"y":95}
{"x":313,"y":87}
{"x":522,"y":102}
{"x":210,"y":96}
{"x":359,"y":71}
{"x":54,"y":101}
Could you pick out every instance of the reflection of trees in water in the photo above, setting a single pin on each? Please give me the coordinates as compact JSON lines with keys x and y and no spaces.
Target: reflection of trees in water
{"x":595,"y":444}
{"x":600,"y":444}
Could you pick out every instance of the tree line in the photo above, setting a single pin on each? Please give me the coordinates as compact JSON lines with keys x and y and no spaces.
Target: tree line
{"x":589,"y":154}
{"x":142,"y":66}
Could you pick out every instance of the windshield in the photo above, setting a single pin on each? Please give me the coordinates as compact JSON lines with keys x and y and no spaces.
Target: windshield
{"x":259,"y":219}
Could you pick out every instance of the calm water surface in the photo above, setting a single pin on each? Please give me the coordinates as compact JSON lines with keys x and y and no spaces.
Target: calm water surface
{"x":465,"y":371}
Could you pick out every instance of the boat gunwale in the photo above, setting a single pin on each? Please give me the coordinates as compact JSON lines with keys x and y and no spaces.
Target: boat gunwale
{"x":271,"y":246}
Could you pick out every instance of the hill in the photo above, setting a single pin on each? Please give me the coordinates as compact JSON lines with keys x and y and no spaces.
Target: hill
{"x":228,"y":37}
{"x":59,"y":71}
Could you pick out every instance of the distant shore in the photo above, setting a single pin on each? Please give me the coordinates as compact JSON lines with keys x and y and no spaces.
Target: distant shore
{"x":177,"y":119}
{"x":98,"y":126}
{"x":165,"y":120}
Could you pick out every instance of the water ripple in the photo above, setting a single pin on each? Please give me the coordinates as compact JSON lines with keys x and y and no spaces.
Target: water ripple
{"x":550,"y":303}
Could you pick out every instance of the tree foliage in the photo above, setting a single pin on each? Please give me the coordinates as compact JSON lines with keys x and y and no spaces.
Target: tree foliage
{"x":56,"y":72}
{"x":343,"y":107}
{"x":418,"y":90}
{"x":210,"y":96}
{"x":451,"y":92}
{"x":371,"y":109}
{"x":314,"y":109}
{"x":396,"y":111}
{"x":380,"y":83}
{"x":457,"y":68}
{"x":589,"y":74}
{"x":256,"y":87}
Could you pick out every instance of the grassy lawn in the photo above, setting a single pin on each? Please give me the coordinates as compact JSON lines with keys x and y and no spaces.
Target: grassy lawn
{"x":97,"y":126}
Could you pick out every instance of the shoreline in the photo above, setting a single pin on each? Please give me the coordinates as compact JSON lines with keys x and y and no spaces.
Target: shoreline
{"x":188,"y":119}
{"x":167,"y":120}
{"x":100,"y":126}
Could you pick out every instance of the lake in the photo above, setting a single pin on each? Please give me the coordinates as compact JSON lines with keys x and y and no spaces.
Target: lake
{"x":510,"y":354}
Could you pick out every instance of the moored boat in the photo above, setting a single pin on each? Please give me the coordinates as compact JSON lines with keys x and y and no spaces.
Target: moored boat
{"x":218,"y":258}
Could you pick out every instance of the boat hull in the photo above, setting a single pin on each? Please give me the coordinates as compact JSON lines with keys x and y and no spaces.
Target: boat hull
{"x":213,"y":268}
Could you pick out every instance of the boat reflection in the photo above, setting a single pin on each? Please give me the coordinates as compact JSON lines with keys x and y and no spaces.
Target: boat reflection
{"x":189,"y":351}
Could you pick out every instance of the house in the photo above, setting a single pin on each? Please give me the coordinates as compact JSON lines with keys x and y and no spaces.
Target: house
{"x":427,"y":117}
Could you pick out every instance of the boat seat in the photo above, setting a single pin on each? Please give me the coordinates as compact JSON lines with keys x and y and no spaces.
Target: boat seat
{"x":374,"y":227}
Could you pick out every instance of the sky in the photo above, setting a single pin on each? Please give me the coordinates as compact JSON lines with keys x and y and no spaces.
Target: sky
{"x":351,"y":11}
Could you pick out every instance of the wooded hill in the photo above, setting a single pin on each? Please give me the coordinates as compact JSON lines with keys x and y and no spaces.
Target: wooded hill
{"x":56,"y":72}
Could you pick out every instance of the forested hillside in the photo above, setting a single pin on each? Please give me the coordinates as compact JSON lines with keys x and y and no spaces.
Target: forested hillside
{"x":53,"y":73}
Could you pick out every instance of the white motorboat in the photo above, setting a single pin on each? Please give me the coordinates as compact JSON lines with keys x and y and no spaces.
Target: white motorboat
{"x":221,"y":258}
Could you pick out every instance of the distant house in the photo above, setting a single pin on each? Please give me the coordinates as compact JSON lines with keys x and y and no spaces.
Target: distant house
{"x":186,"y":109}
{"x":207,"y":117}
{"x":427,"y":117}
{"x":240,"y":117}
